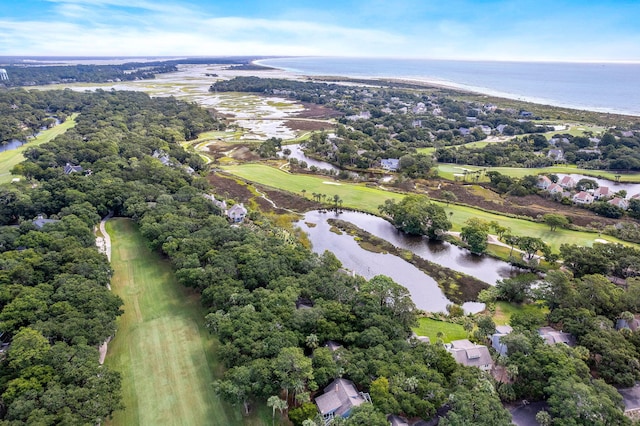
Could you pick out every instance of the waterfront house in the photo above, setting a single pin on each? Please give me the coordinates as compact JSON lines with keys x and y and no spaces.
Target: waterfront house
{"x":567,"y":182}
{"x":619,"y":202}
{"x":601,"y":192}
{"x":554,"y":188}
{"x":543,"y":182}
{"x":583,"y":197}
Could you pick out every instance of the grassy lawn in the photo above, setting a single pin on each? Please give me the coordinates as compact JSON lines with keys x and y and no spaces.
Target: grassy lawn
{"x":363,"y":198}
{"x":447,"y":171}
{"x":430,"y":328}
{"x":163,"y":352}
{"x":9,"y":159}
{"x":504,"y":310}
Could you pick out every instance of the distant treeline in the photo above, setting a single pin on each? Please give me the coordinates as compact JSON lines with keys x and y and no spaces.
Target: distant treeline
{"x":21,"y":74}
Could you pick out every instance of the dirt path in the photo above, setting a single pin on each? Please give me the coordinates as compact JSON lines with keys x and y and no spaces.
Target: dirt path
{"x":104,"y":246}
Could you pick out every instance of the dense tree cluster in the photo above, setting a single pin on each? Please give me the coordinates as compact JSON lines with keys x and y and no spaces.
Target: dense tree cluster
{"x":55,"y":308}
{"x":416,"y":215}
{"x":272,"y":302}
{"x":389,"y":122}
{"x":40,"y":75}
{"x":574,"y":381}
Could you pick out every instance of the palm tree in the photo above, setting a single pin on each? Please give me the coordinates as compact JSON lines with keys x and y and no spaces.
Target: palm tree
{"x":276,"y":404}
{"x":304,"y":193}
{"x":336,"y":200}
{"x":312,"y":341}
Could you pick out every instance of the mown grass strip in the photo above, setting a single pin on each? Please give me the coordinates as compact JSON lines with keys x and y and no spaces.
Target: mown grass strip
{"x":9,"y":159}
{"x":430,"y":328}
{"x":163,"y":352}
{"x":449,"y":171}
{"x":364,"y":198}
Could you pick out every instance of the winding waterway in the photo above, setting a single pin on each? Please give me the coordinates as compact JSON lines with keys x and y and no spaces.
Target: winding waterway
{"x":424,"y":290}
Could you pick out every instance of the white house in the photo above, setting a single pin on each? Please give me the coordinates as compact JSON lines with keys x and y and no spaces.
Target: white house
{"x":554,"y":188}
{"x":237,"y":213}
{"x":601,"y":192}
{"x":583,"y":197}
{"x":619,"y":202}
{"x":543,"y":182}
{"x":556,"y":154}
{"x":390,"y":164}
{"x":567,"y":182}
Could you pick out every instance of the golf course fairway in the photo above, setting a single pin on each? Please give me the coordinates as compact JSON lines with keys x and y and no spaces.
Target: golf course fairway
{"x":163,"y":352}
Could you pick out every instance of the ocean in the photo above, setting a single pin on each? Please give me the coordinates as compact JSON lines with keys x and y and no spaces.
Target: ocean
{"x":602,"y":87}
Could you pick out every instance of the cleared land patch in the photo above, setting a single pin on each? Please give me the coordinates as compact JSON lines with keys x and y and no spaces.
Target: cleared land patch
{"x":163,"y":352}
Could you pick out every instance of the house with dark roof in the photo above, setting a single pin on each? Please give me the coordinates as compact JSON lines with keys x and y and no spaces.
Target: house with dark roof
{"x":470,"y":354}
{"x":339,"y":398}
{"x":70,"y":168}
{"x":632,"y":325}
{"x":40,"y":221}
{"x":395,"y":420}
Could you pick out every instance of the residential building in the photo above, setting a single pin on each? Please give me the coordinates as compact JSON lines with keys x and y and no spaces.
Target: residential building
{"x":632,"y":325}
{"x":554,"y":188}
{"x":496,"y":343}
{"x":567,"y":182}
{"x":70,"y":168}
{"x":556,"y":154}
{"x":470,"y":354}
{"x":339,"y":398}
{"x":237,"y":213}
{"x":40,"y":221}
{"x":544,"y":182}
{"x":552,"y":336}
{"x":583,"y":197}
{"x":601,"y":192}
{"x":390,"y":164}
{"x":619,"y":202}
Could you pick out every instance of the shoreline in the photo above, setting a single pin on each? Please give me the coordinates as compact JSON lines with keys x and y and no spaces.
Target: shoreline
{"x":445,"y":84}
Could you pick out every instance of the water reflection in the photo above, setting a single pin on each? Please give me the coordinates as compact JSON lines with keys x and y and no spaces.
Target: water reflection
{"x":424,"y":290}
{"x":297,"y":153}
{"x":485,"y":268}
{"x":631,"y":188}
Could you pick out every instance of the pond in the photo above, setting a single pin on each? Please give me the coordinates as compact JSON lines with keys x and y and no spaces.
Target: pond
{"x":631,"y":188}
{"x":297,"y":153}
{"x":12,"y":144}
{"x":424,"y":290}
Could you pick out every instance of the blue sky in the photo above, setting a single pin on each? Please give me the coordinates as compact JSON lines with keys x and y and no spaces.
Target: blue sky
{"x":561,"y":30}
